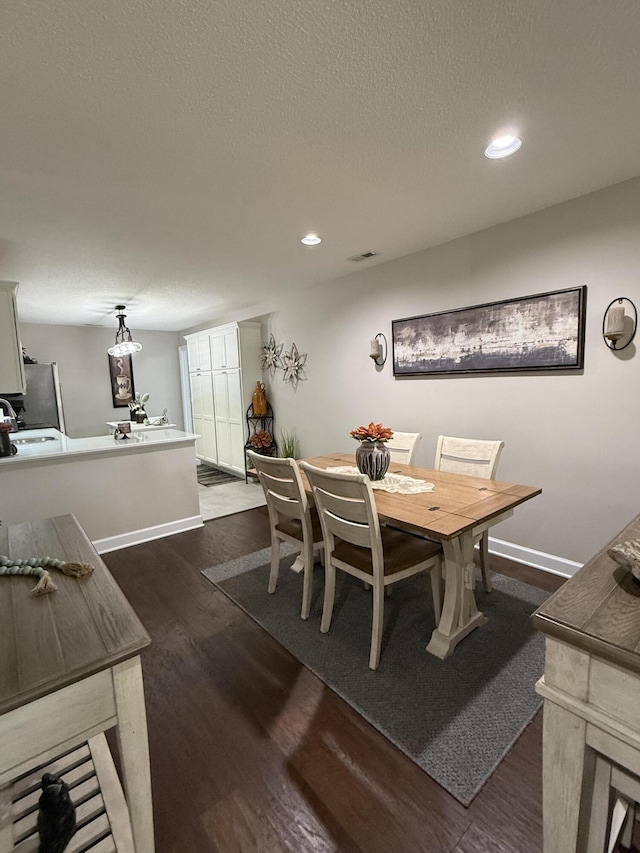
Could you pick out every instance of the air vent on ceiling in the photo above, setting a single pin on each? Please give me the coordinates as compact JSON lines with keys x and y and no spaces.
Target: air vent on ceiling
{"x":363,"y":257}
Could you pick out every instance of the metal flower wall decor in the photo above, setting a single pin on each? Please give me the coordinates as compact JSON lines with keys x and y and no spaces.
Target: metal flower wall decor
{"x":271,"y":355}
{"x":292,"y":363}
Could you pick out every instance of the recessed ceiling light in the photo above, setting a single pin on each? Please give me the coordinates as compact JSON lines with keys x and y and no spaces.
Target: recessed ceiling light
{"x":311,"y":239}
{"x":502,"y":147}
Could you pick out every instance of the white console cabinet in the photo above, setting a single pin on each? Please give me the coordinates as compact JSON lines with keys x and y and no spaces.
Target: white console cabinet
{"x":224,"y":365}
{"x":11,"y":367}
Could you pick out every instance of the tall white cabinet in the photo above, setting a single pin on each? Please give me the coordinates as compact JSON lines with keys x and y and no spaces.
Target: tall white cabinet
{"x":11,"y":366}
{"x":224,"y":365}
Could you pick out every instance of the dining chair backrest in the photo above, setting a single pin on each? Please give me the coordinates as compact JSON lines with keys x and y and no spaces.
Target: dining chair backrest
{"x":292,"y":519}
{"x":282,"y":484}
{"x":475,"y":457}
{"x":402,"y":446}
{"x":347,"y":510}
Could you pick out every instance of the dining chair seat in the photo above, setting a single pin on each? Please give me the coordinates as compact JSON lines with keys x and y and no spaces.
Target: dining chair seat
{"x":400,"y":551}
{"x":355,"y":543}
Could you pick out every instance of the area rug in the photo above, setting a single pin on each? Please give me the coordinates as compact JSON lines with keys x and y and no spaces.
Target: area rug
{"x":213,"y":476}
{"x":456,"y":718}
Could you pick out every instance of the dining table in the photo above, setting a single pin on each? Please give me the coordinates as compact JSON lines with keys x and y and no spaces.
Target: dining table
{"x":454,"y":513}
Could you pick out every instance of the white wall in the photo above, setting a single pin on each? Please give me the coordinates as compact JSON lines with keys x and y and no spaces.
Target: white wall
{"x":83,"y":364}
{"x":577,"y":435}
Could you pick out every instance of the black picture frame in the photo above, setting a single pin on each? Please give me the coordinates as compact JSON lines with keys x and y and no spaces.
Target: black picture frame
{"x":121,"y":369}
{"x":530,"y":333}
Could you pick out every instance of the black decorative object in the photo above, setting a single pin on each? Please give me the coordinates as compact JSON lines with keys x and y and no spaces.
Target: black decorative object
{"x":56,"y":815}
{"x":541,"y":332}
{"x":618,"y":328}
{"x":373,"y":458}
{"x":259,"y":427}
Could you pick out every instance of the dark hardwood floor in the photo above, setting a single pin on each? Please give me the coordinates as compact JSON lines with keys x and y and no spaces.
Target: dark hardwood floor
{"x":251,"y":752}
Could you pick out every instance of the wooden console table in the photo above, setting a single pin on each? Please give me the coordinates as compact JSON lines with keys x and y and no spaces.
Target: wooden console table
{"x":591,"y":690}
{"x":69,"y":670}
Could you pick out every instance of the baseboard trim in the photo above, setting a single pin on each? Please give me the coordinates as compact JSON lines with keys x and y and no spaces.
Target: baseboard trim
{"x":536,"y":559}
{"x":146,"y":534}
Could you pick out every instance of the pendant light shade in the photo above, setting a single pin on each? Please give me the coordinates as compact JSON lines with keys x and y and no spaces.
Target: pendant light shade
{"x":124,"y":344}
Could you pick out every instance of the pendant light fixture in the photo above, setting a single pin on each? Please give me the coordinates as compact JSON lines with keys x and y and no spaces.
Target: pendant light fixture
{"x":124,"y":345}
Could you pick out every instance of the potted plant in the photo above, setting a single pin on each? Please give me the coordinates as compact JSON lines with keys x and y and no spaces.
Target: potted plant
{"x":138,"y":412}
{"x":372,"y":457}
{"x":288,"y":445}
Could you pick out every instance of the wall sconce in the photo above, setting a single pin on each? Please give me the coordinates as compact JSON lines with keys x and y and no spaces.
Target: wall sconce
{"x":616,"y":331}
{"x":378,"y":351}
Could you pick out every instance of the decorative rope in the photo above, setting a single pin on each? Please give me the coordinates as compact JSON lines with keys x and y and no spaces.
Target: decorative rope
{"x":37,"y":567}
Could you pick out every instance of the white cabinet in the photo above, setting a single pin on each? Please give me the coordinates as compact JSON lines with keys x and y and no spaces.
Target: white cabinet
{"x":222,"y":392}
{"x":227,"y":391}
{"x":225,"y":347}
{"x":199,"y":352}
{"x":11,"y":366}
{"x":203,"y":415}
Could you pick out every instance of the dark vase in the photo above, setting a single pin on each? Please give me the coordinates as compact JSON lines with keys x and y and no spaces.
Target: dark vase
{"x":373,"y":458}
{"x":5,"y":444}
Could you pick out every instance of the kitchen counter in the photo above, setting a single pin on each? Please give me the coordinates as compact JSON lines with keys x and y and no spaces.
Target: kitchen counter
{"x":122,"y":492}
{"x":43,"y":445}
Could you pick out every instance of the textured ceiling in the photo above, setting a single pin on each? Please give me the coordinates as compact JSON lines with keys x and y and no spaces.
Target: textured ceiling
{"x":169,"y":154}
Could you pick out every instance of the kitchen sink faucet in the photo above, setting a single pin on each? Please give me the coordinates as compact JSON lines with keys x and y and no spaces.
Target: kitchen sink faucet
{"x":9,"y":412}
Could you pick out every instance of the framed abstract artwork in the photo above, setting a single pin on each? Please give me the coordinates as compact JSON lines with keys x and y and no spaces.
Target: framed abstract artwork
{"x":121,"y":372}
{"x":541,"y":332}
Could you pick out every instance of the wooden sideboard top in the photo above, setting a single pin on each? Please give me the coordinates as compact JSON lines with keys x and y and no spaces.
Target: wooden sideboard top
{"x":598,"y":609}
{"x":50,"y":641}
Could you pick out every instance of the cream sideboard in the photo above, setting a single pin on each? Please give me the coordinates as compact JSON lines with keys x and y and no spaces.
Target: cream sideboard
{"x":70,"y":670}
{"x":12,"y":379}
{"x":591,"y":690}
{"x":224,"y":365}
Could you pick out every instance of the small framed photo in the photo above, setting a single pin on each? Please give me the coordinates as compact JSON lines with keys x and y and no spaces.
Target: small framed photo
{"x":122,"y":388}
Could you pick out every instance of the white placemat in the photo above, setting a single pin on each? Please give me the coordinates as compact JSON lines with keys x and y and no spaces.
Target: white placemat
{"x":390,"y":482}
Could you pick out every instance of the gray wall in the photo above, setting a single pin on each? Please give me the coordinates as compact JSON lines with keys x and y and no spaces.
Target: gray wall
{"x":81,"y":354}
{"x":577,"y":435}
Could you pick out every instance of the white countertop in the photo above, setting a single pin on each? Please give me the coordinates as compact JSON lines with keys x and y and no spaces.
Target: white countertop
{"x":52,"y":444}
{"x":136,"y":427}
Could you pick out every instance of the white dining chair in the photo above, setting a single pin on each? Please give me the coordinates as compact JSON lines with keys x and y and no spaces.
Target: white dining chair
{"x":402,"y":446}
{"x":477,"y":458}
{"x":356,"y":543}
{"x":292,"y":519}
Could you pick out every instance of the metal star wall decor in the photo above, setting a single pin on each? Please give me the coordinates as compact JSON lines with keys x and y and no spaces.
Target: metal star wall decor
{"x":293,"y":364}
{"x":271,"y":355}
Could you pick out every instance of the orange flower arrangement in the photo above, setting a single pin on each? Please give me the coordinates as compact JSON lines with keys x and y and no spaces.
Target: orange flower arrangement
{"x":261,"y":439}
{"x":374,"y":432}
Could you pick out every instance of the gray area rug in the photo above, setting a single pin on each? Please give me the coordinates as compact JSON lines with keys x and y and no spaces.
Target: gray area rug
{"x":456,"y":718}
{"x":208,"y":476}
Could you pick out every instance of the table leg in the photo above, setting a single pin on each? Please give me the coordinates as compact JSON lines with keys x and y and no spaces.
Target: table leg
{"x":134,"y":750}
{"x":568,"y":773}
{"x":460,"y":614}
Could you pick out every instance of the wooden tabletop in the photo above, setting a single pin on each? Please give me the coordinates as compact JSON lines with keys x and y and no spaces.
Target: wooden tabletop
{"x":457,"y":504}
{"x":50,"y":641}
{"x":598,"y":609}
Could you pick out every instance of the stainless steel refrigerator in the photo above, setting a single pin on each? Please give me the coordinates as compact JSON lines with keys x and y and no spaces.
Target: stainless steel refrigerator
{"x":43,"y":399}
